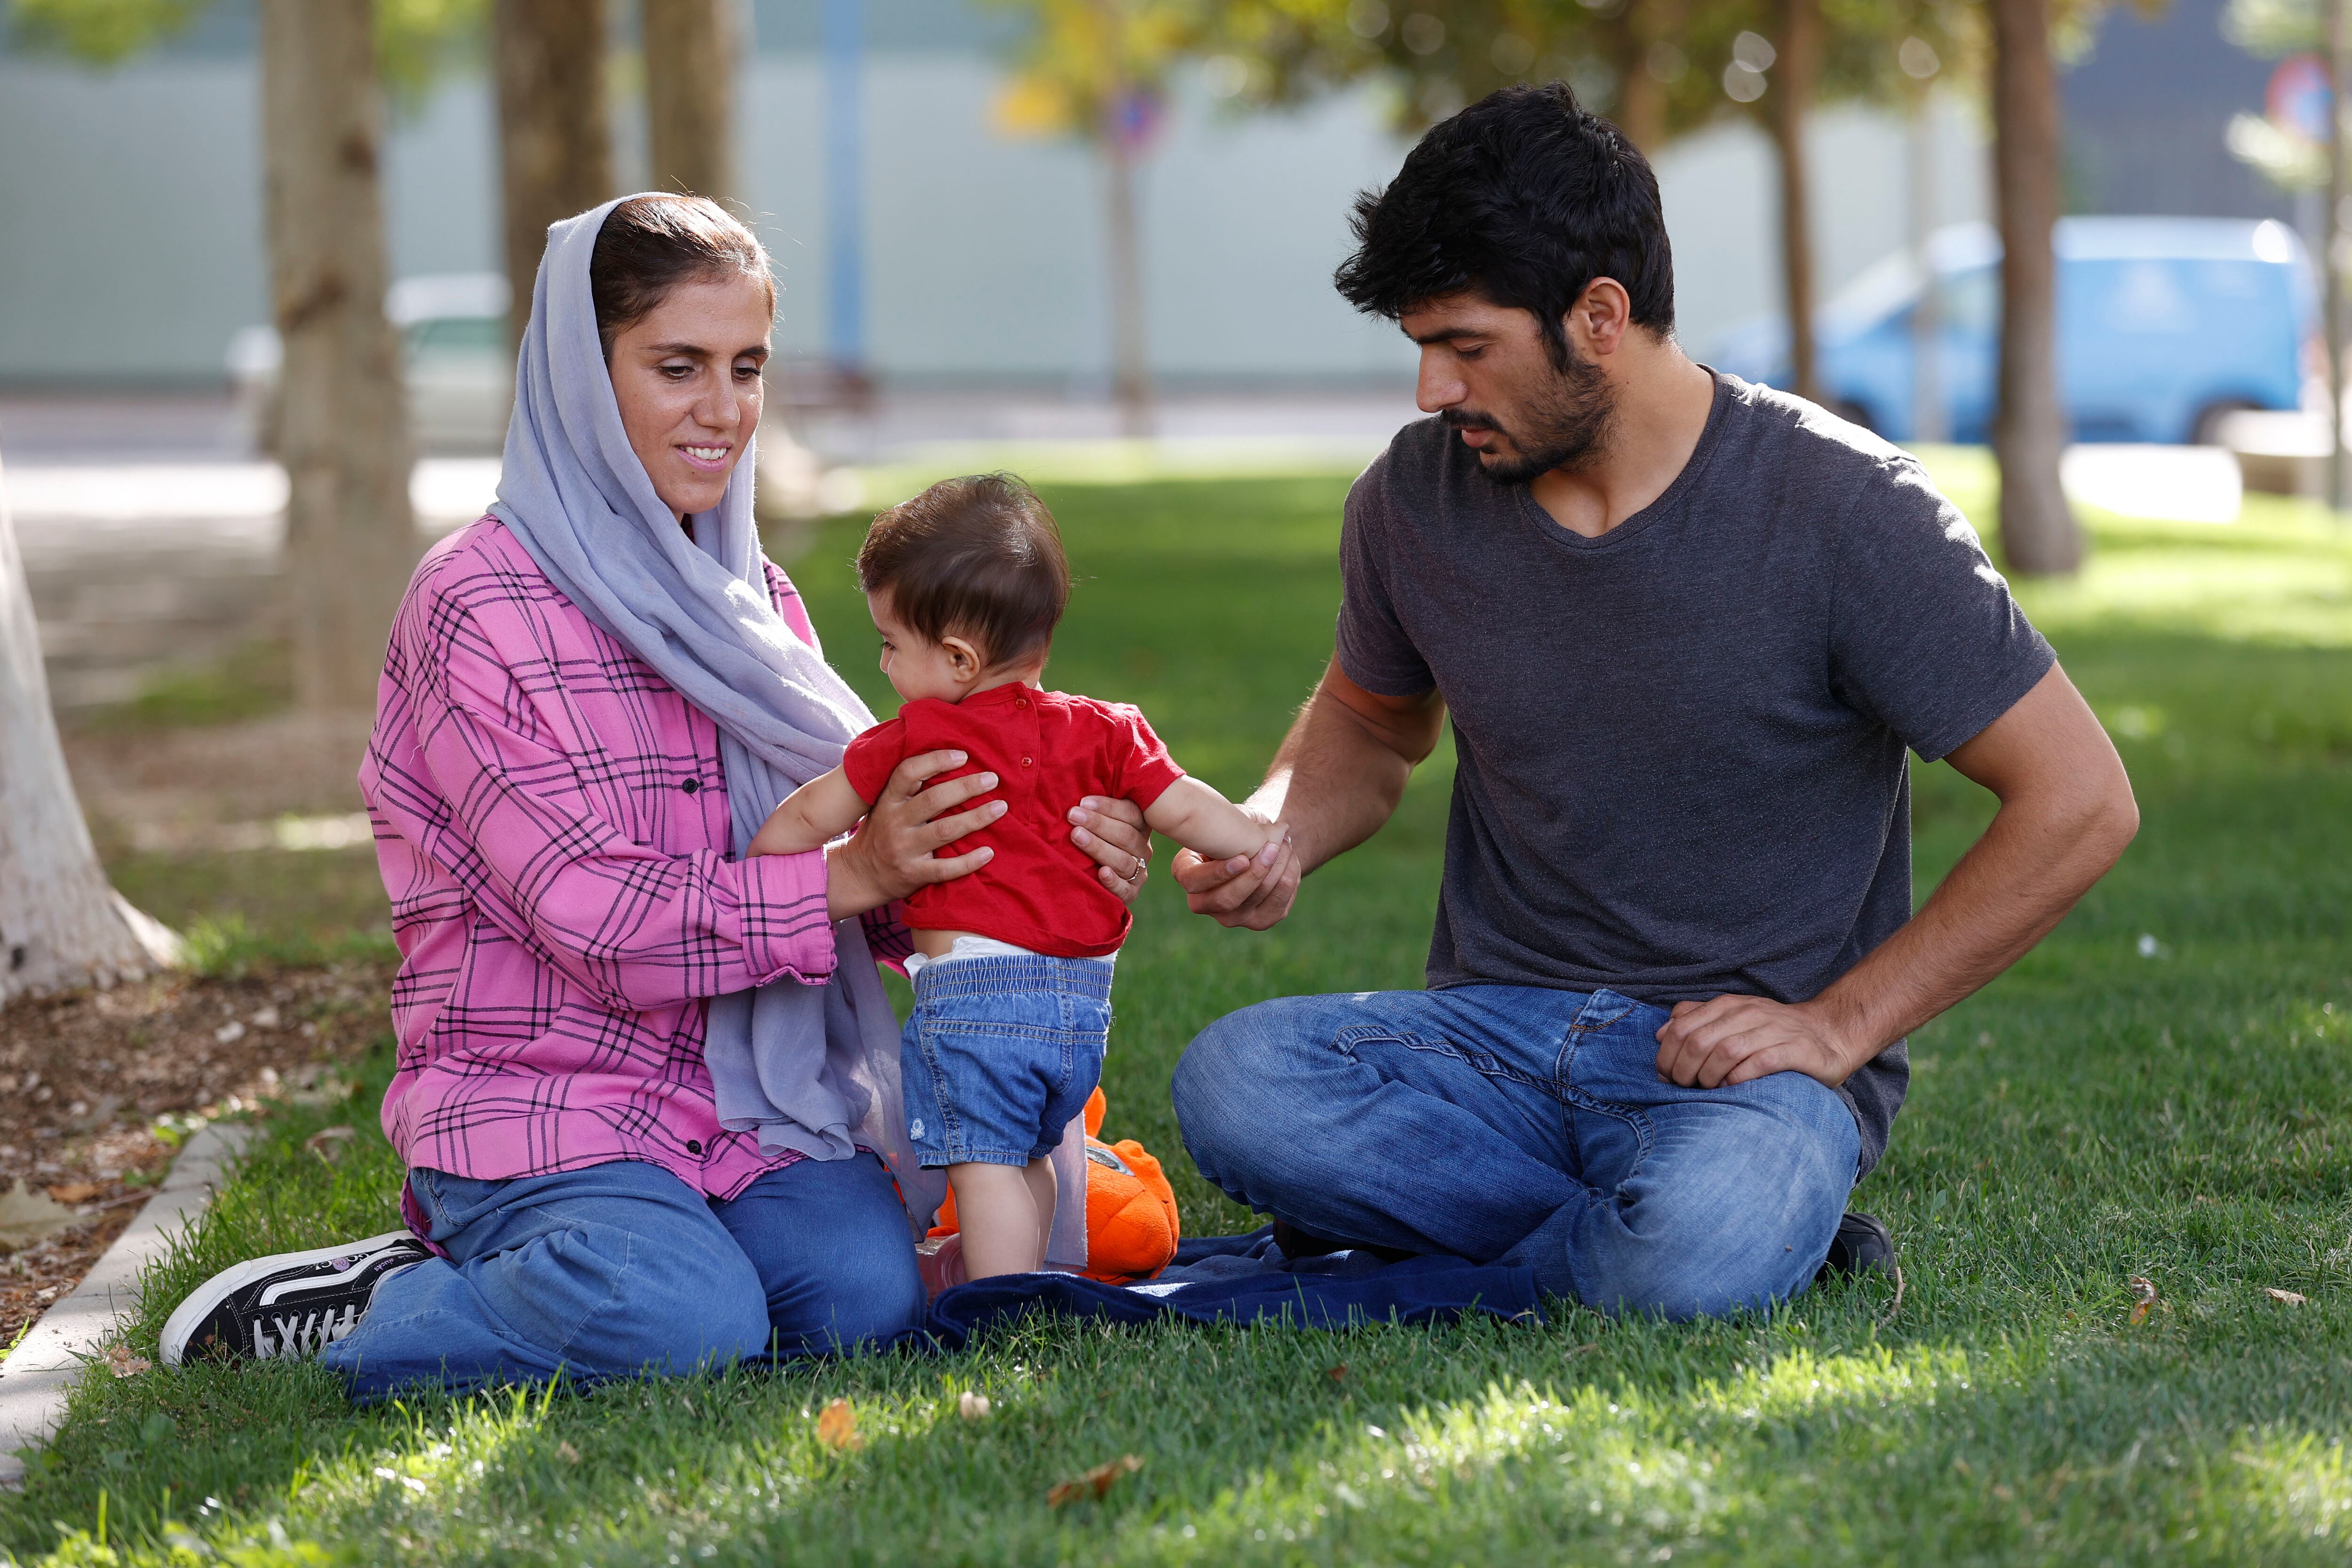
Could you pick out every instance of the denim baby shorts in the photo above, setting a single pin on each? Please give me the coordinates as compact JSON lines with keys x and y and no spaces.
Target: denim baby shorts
{"x":1001,"y":1054}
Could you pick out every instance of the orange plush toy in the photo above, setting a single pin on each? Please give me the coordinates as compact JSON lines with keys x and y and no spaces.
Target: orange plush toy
{"x":1131,"y":1208}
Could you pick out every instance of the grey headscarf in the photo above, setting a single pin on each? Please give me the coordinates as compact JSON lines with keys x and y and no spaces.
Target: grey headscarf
{"x":810,"y":1067}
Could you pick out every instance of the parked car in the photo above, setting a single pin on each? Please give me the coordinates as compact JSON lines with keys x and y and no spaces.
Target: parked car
{"x":456,"y":362}
{"x":2166,"y":326}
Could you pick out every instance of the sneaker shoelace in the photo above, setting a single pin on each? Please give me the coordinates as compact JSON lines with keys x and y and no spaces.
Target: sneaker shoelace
{"x":302,"y":1333}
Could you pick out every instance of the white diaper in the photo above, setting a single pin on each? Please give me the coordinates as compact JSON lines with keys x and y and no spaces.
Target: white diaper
{"x":977,"y":947}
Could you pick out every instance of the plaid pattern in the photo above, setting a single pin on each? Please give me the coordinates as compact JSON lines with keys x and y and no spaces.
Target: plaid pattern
{"x":552,"y":822}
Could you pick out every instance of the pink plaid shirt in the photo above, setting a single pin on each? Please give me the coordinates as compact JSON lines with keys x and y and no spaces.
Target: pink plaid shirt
{"x":552,"y":822}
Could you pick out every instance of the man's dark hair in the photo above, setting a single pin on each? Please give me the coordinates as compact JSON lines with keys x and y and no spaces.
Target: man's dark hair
{"x":977,"y":557}
{"x":1523,"y":198}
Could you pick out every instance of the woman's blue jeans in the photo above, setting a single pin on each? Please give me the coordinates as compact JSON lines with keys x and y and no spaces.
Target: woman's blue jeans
{"x":1526,"y":1126}
{"x":623,"y":1269}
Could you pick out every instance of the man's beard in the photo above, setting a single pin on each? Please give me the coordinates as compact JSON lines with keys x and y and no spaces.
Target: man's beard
{"x":1564,"y":425}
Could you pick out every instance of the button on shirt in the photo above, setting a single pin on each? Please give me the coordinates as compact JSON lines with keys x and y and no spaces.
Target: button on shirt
{"x":550,"y":817}
{"x":1049,"y":750}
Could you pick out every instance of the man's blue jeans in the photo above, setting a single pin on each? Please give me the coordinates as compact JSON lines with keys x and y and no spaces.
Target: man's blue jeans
{"x":1526,"y":1126}
{"x":623,"y":1269}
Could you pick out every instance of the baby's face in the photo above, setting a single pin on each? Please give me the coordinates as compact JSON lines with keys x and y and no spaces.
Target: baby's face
{"x":917,"y":667}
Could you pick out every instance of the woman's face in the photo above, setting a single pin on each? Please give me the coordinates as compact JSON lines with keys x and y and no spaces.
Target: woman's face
{"x":687,"y":380}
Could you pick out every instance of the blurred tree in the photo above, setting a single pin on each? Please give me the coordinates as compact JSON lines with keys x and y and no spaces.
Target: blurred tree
{"x":1099,"y":69}
{"x":341,"y":428}
{"x":2039,"y":534}
{"x":690,"y":61}
{"x":60,"y":923}
{"x":555,"y":134}
{"x":1660,"y":67}
{"x":342,"y":424}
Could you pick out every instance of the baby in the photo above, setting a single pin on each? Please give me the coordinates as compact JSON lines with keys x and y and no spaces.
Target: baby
{"x":1012,"y":962}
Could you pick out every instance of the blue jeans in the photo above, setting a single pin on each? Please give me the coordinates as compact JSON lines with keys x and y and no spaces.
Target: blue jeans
{"x":1526,"y":1126}
{"x":623,"y":1269}
{"x":1000,"y":1054}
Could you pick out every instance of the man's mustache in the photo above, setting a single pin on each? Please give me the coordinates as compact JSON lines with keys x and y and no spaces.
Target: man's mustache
{"x":1461,"y":420}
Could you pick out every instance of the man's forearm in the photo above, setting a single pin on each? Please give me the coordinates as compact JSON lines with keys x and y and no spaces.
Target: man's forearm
{"x":1334,"y":781}
{"x":2016,"y":883}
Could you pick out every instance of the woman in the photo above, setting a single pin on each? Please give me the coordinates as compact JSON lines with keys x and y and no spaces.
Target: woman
{"x":641,"y":1085}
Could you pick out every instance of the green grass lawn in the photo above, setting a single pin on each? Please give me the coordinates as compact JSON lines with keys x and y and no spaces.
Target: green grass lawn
{"x":2159,"y":1090}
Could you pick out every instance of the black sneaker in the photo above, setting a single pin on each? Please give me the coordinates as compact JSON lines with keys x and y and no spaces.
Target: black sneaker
{"x":295,"y":1304}
{"x":1860,"y":1247}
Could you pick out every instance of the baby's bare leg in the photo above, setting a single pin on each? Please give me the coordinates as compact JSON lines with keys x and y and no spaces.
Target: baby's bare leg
{"x":1040,"y":1177}
{"x":997,"y":1206}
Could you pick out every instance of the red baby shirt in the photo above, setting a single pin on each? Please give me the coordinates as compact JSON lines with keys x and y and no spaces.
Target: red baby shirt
{"x":1048,"y":750}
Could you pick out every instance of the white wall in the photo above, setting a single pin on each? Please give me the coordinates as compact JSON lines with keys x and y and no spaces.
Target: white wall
{"x":132,"y":247}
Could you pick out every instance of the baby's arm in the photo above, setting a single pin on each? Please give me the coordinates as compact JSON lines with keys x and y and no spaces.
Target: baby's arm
{"x":1204,"y":821}
{"x":812,"y":816}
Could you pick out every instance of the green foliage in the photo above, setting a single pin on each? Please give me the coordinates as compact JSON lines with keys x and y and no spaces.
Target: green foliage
{"x":1658,"y":67}
{"x":1079,"y":59}
{"x":104,"y":32}
{"x":2094,"y":1115}
{"x":417,"y":41}
{"x":2274,"y":28}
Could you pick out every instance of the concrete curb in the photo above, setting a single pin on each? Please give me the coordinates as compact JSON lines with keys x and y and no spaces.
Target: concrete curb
{"x":36,"y":1378}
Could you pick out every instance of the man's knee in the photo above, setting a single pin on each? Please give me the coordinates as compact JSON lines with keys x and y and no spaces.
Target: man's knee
{"x":1705,"y":1248}
{"x":1229,"y":1080}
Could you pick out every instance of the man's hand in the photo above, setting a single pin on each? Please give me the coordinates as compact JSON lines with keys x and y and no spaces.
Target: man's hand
{"x":1253,"y":891}
{"x":1732,"y":1039}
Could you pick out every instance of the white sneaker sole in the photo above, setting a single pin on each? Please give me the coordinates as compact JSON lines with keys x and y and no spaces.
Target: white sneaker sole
{"x":209,"y":1295}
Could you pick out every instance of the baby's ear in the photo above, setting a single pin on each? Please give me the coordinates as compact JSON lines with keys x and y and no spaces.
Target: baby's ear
{"x":964,"y":657}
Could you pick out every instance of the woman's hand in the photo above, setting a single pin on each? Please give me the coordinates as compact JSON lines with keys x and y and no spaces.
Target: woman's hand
{"x":892,"y":854}
{"x":1112,"y":831}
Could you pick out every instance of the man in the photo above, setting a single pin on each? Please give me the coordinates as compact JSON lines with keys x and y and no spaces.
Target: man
{"x":1686,"y":630}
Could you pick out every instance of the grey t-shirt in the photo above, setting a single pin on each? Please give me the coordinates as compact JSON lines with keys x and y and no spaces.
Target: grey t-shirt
{"x":1681,"y":745}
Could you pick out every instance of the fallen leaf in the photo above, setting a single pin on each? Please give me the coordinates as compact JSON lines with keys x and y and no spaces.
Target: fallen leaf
{"x":837,"y":1427}
{"x":1337,"y":1373}
{"x":2143,"y":1297}
{"x":327,"y":1141}
{"x":76,"y":1192}
{"x":973,"y":1406}
{"x":2291,"y":1298}
{"x":1095,"y":1482}
{"x":26,"y":1217}
{"x":567,"y":1453}
{"x":119,"y":1359}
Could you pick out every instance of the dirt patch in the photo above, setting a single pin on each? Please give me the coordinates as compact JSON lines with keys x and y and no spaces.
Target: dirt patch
{"x":86,"y":1078}
{"x":201,"y":787}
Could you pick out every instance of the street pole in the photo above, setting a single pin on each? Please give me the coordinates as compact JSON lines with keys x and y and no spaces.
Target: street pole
{"x":2339,"y":193}
{"x":844,"y":192}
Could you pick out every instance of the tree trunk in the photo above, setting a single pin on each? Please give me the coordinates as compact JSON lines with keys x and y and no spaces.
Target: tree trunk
{"x":1638,"y":30}
{"x":350,"y":536}
{"x":2038,"y":532}
{"x":690,"y":95}
{"x":555,"y":135}
{"x":60,"y":923}
{"x":1931,"y":421}
{"x":1796,"y":73}
{"x":1131,"y":371}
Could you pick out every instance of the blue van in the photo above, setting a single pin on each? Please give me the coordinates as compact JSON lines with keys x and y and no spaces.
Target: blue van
{"x":2163,"y":326}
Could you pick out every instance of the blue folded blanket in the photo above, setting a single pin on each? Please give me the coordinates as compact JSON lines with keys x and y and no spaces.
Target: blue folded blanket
{"x":1247,"y":1280}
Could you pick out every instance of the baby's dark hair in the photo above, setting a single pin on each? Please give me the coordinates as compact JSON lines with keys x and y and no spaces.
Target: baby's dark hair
{"x":976,"y":557}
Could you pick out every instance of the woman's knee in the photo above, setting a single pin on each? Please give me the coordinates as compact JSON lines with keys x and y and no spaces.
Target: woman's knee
{"x":828,"y":1241}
